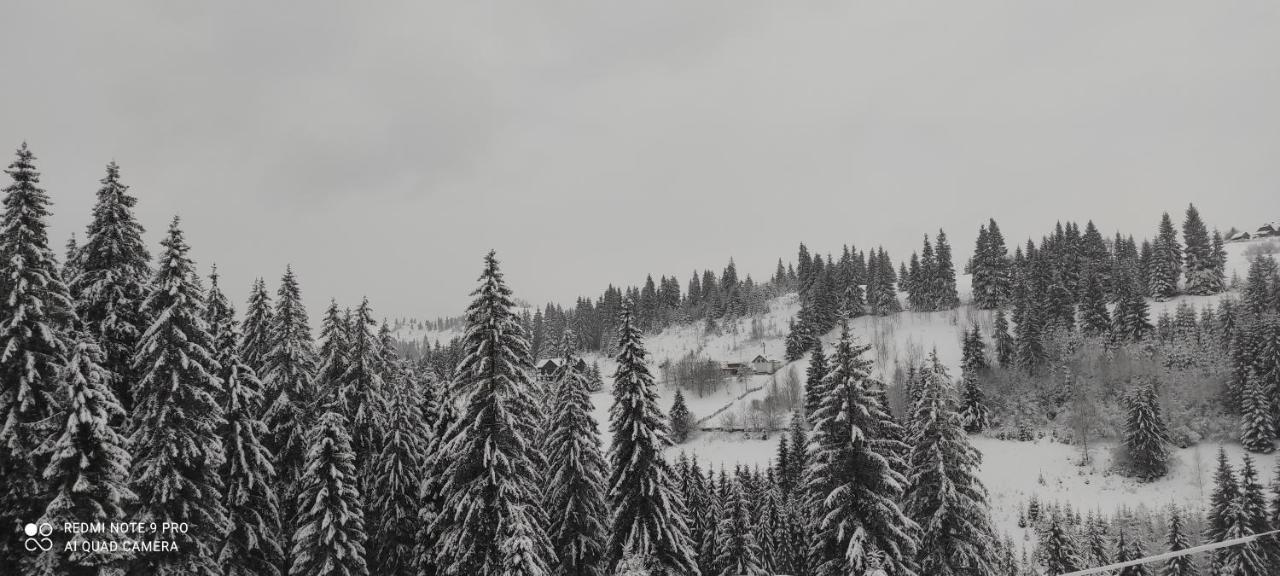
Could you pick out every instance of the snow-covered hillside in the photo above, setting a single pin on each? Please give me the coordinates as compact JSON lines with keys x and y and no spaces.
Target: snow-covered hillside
{"x":1012,"y":471}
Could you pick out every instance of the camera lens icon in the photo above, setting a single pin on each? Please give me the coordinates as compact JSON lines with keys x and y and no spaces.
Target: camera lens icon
{"x":43,"y":543}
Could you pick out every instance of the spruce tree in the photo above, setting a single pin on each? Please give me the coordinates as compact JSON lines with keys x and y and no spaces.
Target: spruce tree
{"x":1131,"y":549}
{"x":1061,"y":554}
{"x":35,"y":316}
{"x":88,"y":469}
{"x":490,"y":520}
{"x":289,"y":391}
{"x":1095,"y":320}
{"x":1146,"y":438}
{"x":1131,"y":320}
{"x":1257,"y":432}
{"x":815,"y":373}
{"x":1199,"y":261}
{"x":1177,"y":541}
{"x":393,"y":491}
{"x":944,"y":280}
{"x":1226,"y":492}
{"x":1006,"y":350}
{"x":1245,"y":559}
{"x":251,"y":546}
{"x":974,"y":413}
{"x":681,"y":420}
{"x":944,"y":495}
{"x":853,"y":485}
{"x":256,"y":340}
{"x":114,"y":268}
{"x":1166,"y":261}
{"x":330,"y":535}
{"x":361,"y":385}
{"x":739,"y":552}
{"x":647,"y":514}
{"x":576,"y":502}
{"x":177,"y":452}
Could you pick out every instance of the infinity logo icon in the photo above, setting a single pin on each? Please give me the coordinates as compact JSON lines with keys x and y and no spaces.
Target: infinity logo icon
{"x":43,"y":544}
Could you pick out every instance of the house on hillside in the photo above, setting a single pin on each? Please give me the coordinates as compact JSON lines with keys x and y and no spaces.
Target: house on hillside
{"x":548,"y":369}
{"x":1267,"y":230}
{"x":734,"y":368}
{"x":762,"y":365}
{"x":1239,"y":237}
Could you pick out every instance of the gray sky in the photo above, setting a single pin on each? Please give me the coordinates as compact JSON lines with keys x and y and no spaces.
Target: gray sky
{"x":383,"y":147}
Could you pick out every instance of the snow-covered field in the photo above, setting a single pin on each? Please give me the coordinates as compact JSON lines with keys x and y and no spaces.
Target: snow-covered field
{"x":1012,"y":471}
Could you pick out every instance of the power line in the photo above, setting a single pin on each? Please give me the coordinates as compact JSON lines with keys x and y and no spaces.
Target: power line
{"x":1168,"y":555}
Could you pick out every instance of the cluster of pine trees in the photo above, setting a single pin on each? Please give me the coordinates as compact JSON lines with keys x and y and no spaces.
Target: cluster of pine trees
{"x":859,"y":283}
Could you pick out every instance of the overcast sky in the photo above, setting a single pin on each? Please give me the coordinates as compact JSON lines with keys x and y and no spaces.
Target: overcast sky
{"x":383,"y":147}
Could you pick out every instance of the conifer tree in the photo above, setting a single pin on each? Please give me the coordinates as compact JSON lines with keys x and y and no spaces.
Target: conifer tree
{"x":681,"y":420}
{"x":1146,"y":437}
{"x":1257,"y":433}
{"x":256,"y":340}
{"x":177,"y":451}
{"x":944,"y":289}
{"x":1166,"y":261}
{"x":944,"y":495}
{"x":330,"y":538}
{"x":974,"y":413}
{"x":853,"y":485}
{"x":490,"y":520}
{"x":1199,"y":259}
{"x":576,"y":502}
{"x":1006,"y":351}
{"x":1131,"y":549}
{"x":1177,"y":541}
{"x":250,"y":547}
{"x":647,"y":514}
{"x":393,"y":492}
{"x":113,"y":271}
{"x":361,"y":385}
{"x":1095,"y":320}
{"x":1131,"y":320}
{"x":739,"y":551}
{"x":1246,"y":559}
{"x":1226,"y":493}
{"x":88,"y":470}
{"x":35,"y":315}
{"x":333,"y":354}
{"x":1061,"y":555}
{"x":814,"y":375}
{"x":289,"y":391}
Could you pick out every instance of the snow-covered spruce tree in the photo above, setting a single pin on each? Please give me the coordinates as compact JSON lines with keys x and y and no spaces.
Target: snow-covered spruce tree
{"x":576,"y":502}
{"x":944,"y":495}
{"x":974,"y":414}
{"x":1146,"y":438}
{"x":392,"y":499}
{"x":361,"y":385}
{"x":1257,"y":433}
{"x":35,"y":315}
{"x":944,"y":287}
{"x":1006,"y":350}
{"x":251,"y":546}
{"x":114,"y":268}
{"x":1131,"y":319}
{"x":289,"y":391}
{"x":1095,"y":320}
{"x":333,"y":354}
{"x":1198,"y":257}
{"x":853,"y":486}
{"x":88,"y":470}
{"x":1166,"y":261}
{"x":647,"y":513}
{"x":490,"y":521}
{"x":1176,"y":541}
{"x":1225,"y":494}
{"x":255,"y":342}
{"x":1131,"y":549}
{"x":1059,"y":548}
{"x":814,"y":375}
{"x":1246,"y":559}
{"x":177,"y":452}
{"x":330,"y":535}
{"x":739,"y":551}
{"x":681,"y":421}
